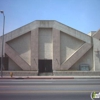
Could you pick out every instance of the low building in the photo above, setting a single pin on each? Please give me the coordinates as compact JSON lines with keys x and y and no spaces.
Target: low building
{"x":47,"y":46}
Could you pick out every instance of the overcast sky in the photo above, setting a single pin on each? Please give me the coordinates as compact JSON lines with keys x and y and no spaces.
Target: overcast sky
{"x":83,"y":15}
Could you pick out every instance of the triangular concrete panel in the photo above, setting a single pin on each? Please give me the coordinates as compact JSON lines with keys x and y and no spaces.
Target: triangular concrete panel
{"x":76,"y":56}
{"x":16,"y":58}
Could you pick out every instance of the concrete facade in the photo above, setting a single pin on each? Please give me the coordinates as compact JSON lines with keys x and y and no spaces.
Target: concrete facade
{"x":45,"y":44}
{"x":64,"y":46}
{"x":22,"y":46}
{"x":67,"y":47}
{"x":34,"y":49}
{"x":56,"y":49}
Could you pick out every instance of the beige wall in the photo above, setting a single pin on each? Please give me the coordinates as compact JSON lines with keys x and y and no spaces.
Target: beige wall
{"x":68,"y":45}
{"x":34,"y":49}
{"x":45,"y":44}
{"x":56,"y":49}
{"x":96,"y":55}
{"x":86,"y":59}
{"x":22,"y":46}
{"x":70,"y":41}
{"x":13,"y":66}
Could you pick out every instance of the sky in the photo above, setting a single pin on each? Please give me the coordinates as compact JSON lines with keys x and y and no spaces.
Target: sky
{"x":83,"y":15}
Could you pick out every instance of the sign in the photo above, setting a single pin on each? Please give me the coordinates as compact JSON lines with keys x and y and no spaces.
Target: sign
{"x":84,"y":67}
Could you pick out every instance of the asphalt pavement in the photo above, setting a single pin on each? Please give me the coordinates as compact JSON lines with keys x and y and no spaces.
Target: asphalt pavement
{"x":48,"y":89}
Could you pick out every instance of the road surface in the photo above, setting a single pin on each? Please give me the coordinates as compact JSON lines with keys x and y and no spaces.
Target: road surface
{"x":48,"y":89}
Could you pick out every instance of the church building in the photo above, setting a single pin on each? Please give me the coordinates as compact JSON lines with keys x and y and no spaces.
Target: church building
{"x":47,"y":46}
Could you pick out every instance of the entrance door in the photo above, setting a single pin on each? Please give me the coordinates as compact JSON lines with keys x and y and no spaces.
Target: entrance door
{"x":45,"y":66}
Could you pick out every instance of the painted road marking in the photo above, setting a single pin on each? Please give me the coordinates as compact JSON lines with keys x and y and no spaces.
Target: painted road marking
{"x":25,"y":82}
{"x":18,"y":92}
{"x":1,"y":86}
{"x":45,"y":82}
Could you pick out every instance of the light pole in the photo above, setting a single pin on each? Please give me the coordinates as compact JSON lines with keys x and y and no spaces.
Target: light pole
{"x":2,"y":12}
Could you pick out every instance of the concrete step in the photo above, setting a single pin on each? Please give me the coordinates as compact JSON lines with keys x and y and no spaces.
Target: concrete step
{"x":45,"y":74}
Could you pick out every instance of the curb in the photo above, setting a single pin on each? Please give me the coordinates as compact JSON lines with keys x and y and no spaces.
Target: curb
{"x":39,"y":78}
{"x":51,"y":77}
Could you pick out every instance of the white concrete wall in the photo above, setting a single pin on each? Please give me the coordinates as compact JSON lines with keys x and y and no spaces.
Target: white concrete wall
{"x":69,"y":40}
{"x":68,"y":45}
{"x":73,"y":32}
{"x":86,"y":59}
{"x":45,"y":43}
{"x":91,"y":33}
{"x":96,"y":55}
{"x":47,"y":24}
{"x":13,"y":66}
{"x":22,"y":46}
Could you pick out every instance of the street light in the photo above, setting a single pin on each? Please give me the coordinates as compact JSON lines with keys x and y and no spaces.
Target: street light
{"x":2,"y":12}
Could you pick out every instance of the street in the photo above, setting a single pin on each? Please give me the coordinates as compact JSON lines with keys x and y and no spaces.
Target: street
{"x":48,"y":89}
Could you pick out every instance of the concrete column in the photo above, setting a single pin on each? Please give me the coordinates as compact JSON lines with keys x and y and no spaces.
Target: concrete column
{"x":0,"y":46}
{"x":96,"y":46}
{"x":56,"y":49}
{"x":96,"y":55}
{"x":34,"y":49}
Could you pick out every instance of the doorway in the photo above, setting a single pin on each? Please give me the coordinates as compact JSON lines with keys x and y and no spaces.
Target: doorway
{"x":45,"y":66}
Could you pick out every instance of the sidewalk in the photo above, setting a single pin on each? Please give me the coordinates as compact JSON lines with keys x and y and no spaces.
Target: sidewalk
{"x":50,"y":77}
